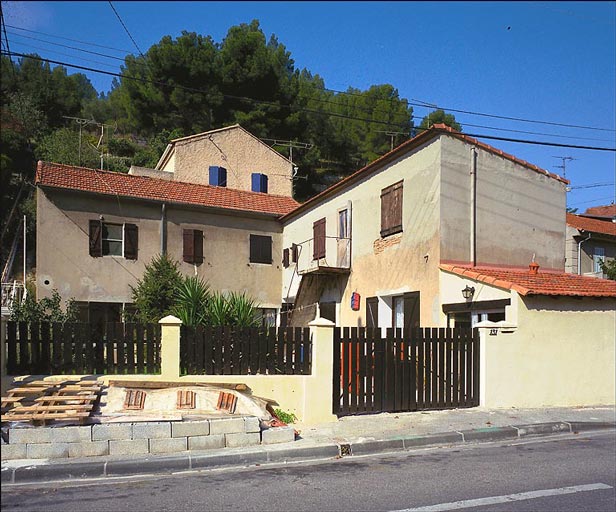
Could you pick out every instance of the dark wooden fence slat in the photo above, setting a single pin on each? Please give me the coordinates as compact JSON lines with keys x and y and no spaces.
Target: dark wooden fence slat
{"x":306,"y":352}
{"x":361,"y":370}
{"x":110,"y":348}
{"x":297,"y":347}
{"x":441,"y":368}
{"x":353,"y":370}
{"x":150,"y":361}
{"x":121,"y":344}
{"x":475,"y":362}
{"x":413,"y":370}
{"x":78,"y":349}
{"x":24,"y":359}
{"x":11,"y":362}
{"x":140,"y":348}
{"x":215,"y":335}
{"x":67,"y":349}
{"x":35,"y":347}
{"x":379,"y":370}
{"x":370,"y":362}
{"x":45,"y":348}
{"x":282,"y":333}
{"x":129,"y":336}
{"x":390,"y":371}
{"x":456,"y":368}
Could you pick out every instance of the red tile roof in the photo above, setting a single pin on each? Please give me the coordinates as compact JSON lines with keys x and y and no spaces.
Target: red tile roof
{"x":602,"y":211}
{"x":542,"y":283}
{"x":583,"y":223}
{"x":416,"y":141}
{"x":142,"y":187}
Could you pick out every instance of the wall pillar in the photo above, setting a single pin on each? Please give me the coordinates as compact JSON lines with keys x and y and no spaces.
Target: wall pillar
{"x":318,"y":388}
{"x":170,"y":348}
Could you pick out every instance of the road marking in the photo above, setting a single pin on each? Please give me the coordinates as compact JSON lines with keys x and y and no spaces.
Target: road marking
{"x":494,"y":500}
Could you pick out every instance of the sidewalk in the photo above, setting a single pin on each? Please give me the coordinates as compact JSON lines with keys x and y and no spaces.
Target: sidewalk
{"x":352,"y":435}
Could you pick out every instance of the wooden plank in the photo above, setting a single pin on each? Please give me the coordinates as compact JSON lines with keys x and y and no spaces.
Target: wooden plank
{"x":226,"y":350}
{"x":434,"y":367}
{"x":297,"y":347}
{"x":110,"y":348}
{"x":390,"y":371}
{"x":306,"y":352}
{"x":234,"y":351}
{"x":280,"y":343}
{"x":245,"y":353}
{"x":78,"y":350}
{"x":442,"y":378}
{"x":263,"y":354}
{"x":353,"y":369}
{"x":427,"y":368}
{"x":455,"y":399}
{"x":140,"y":329}
{"x":203,"y":350}
{"x":89,"y":358}
{"x":463,"y":382}
{"x":45,"y":366}
{"x":412,"y":353}
{"x":67,"y":349}
{"x":63,"y":407}
{"x":11,"y":339}
{"x":216,"y":335}
{"x":344,"y":368}
{"x":49,"y":416}
{"x":369,"y":384}
{"x":121,"y":348}
{"x":150,"y":365}
{"x":288,"y":352}
{"x":361,"y":369}
{"x":56,"y":398}
{"x":24,"y":359}
{"x":379,"y":370}
{"x":405,"y":371}
{"x":272,"y":347}
{"x":35,"y":347}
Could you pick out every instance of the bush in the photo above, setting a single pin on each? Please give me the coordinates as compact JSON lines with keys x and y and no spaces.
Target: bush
{"x":191,"y":300}
{"x":48,"y":309}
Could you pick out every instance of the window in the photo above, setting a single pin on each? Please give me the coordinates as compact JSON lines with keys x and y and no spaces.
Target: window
{"x":218,"y":176}
{"x":397,"y":310}
{"x":343,"y":224}
{"x":597,"y":257}
{"x":471,"y":318}
{"x":107,"y":239}
{"x":192,"y":246}
{"x":259,"y":182}
{"x":260,"y":249}
{"x":267,"y":316}
{"x":391,"y":209}
{"x":405,"y":311}
{"x":318,"y":235}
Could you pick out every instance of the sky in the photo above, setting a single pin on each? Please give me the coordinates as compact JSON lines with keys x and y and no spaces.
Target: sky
{"x":553,"y":62}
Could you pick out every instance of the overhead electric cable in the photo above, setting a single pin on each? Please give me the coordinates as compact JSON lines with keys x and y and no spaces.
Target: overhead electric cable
{"x":127,"y":31}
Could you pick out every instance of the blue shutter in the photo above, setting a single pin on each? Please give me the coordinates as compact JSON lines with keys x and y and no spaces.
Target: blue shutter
{"x":218,"y":176}
{"x":259,"y":182}
{"x":263,"y":184}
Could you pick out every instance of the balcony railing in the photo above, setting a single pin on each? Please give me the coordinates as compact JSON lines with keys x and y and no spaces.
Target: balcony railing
{"x":336,"y":260}
{"x":11,"y":293}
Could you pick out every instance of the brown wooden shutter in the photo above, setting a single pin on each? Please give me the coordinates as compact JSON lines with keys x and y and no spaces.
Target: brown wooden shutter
{"x":131,"y":241}
{"x":391,"y":209}
{"x":198,"y":246}
{"x":96,"y":238}
{"x":260,"y":249}
{"x":411,"y":310}
{"x":318,"y":235}
{"x":294,"y":249}
{"x":188,"y":251}
{"x":372,"y":312}
{"x":285,"y":258}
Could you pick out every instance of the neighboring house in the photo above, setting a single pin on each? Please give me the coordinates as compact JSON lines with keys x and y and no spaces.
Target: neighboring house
{"x":97,"y":230}
{"x":380,"y":235}
{"x":591,"y":239}
{"x":230,"y":157}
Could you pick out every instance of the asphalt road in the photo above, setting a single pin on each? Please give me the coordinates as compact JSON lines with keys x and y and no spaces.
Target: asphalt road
{"x":567,"y":473}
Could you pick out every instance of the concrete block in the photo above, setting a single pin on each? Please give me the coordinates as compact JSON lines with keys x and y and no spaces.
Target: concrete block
{"x":13,"y":451}
{"x":242,"y":439}
{"x":129,"y":447}
{"x":91,"y":449}
{"x":170,"y":445}
{"x":71,"y":434}
{"x":47,"y":450}
{"x":227,"y":425}
{"x":535,"y":429}
{"x":152,"y":430}
{"x":251,"y":424}
{"x":112,"y":432}
{"x":278,"y":435}
{"x":190,"y":428}
{"x":206,"y":442}
{"x":30,"y":435}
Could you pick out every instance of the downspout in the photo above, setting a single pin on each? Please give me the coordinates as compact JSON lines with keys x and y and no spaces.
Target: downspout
{"x":473,"y":226}
{"x":163,"y":229}
{"x":579,"y":253}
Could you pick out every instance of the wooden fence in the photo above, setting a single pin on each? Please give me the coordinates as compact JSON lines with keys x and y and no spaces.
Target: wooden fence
{"x":245,"y":351}
{"x":79,"y":348}
{"x":424,"y":368}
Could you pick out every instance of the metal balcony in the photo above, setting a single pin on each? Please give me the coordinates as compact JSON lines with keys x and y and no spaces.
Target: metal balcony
{"x":11,"y":293}
{"x":335,"y":258}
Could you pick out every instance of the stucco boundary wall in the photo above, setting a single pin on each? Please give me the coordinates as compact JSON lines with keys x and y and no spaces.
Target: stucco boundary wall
{"x":560,"y":353}
{"x":309,"y":397}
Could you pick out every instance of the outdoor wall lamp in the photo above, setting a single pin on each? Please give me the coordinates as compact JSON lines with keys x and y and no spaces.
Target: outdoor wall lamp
{"x":468,"y":292}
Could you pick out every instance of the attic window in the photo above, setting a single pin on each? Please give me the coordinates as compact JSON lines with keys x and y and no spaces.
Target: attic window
{"x":218,"y":176}
{"x":259,"y":182}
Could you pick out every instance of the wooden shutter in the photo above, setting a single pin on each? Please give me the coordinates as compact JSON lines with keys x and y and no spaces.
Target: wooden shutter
{"x":372,"y":312}
{"x":197,"y":246}
{"x":131,"y":241}
{"x":318,"y":235}
{"x":285,"y":258}
{"x":260,"y":249}
{"x":391,"y":209}
{"x":188,"y":251}
{"x":411,"y":310}
{"x":96,"y":238}
{"x":294,"y":249}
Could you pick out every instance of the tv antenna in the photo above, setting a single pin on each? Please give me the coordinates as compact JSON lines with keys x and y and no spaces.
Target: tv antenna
{"x":392,"y":136}
{"x":84,"y":122}
{"x":563,"y":166}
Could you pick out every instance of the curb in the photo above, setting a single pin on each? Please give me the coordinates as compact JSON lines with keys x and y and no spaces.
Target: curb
{"x":213,"y":459}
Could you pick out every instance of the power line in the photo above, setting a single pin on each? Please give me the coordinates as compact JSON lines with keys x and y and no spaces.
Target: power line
{"x":595,"y":185}
{"x":126,"y":28}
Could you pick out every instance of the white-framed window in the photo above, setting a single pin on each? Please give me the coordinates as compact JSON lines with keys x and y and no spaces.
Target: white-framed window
{"x":343,"y":223}
{"x":113,"y":239}
{"x":597,"y":257}
{"x":398,"y":312}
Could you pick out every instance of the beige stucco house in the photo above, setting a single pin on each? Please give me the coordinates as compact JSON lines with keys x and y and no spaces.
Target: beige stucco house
{"x":381,"y":233}
{"x":591,"y":238}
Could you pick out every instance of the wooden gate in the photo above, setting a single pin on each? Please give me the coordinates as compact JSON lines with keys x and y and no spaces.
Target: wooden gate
{"x":422,"y":368}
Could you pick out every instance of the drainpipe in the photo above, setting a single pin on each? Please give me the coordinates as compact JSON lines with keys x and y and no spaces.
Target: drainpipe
{"x":163,"y":229}
{"x":473,"y":226}
{"x":579,"y":254}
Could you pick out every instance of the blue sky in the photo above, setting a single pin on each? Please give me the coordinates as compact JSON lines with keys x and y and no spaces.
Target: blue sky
{"x":545,"y":61}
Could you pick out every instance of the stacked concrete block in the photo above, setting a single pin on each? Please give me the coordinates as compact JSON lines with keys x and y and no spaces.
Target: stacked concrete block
{"x":139,"y":438}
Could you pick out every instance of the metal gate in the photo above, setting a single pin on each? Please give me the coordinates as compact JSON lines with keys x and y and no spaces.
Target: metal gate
{"x":418,"y":369}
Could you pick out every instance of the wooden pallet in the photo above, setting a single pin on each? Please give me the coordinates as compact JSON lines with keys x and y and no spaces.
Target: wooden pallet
{"x":43,"y":401}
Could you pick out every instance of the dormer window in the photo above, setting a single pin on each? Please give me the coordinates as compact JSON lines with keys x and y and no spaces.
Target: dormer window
{"x":218,"y":176}
{"x":259,"y":182}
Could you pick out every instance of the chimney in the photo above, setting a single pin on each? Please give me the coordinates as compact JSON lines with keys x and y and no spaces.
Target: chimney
{"x":533,"y":268}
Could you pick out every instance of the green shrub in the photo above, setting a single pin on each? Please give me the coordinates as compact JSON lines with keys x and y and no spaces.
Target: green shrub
{"x":191,"y":301}
{"x":287,"y":417}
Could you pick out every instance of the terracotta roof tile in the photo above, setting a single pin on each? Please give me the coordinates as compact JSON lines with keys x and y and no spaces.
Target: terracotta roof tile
{"x":581,"y":222}
{"x":602,"y":211}
{"x":142,"y":187}
{"x":542,"y":283}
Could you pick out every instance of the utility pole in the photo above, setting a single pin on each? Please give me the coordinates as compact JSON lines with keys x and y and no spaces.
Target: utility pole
{"x":564,"y":159}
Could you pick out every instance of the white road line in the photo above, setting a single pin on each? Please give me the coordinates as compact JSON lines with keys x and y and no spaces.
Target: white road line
{"x":493,"y":500}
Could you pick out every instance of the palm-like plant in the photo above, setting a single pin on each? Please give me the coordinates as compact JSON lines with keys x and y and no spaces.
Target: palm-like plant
{"x":191,"y":301}
{"x":243,"y":310}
